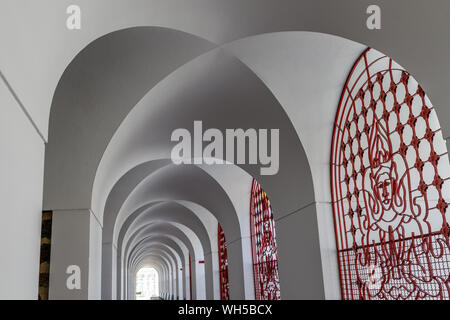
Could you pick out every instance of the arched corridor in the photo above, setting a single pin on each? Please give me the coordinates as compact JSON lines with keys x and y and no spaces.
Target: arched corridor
{"x":178,"y":160}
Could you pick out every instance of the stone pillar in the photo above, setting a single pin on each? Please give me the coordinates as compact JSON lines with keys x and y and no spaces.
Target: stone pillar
{"x":109,"y":275}
{"x":75,"y":262}
{"x":212,"y":274}
{"x":299,"y":260}
{"x":240,"y":269}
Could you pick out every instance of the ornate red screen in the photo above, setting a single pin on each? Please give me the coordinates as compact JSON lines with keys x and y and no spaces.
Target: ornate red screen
{"x":264,"y":247}
{"x":223,"y":265}
{"x":390,"y":186}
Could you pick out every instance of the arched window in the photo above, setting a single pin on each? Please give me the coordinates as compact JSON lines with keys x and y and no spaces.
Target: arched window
{"x":223,"y":265}
{"x":264,"y":246}
{"x":390,"y":186}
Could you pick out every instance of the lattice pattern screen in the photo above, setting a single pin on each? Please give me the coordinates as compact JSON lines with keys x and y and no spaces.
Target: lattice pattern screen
{"x":390,"y":186}
{"x":264,"y":246}
{"x":223,"y":265}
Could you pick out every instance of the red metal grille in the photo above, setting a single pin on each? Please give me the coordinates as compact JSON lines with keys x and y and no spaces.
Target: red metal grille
{"x":264,"y":247}
{"x":390,"y":186}
{"x":223,"y":265}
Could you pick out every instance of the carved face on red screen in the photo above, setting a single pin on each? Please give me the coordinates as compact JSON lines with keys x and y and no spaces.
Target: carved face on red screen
{"x":387,"y":200}
{"x":390,"y":198}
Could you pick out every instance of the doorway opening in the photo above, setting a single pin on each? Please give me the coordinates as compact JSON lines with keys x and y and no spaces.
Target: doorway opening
{"x":147,"y":284}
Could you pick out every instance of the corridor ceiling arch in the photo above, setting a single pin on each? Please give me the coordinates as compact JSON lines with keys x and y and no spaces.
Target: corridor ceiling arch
{"x":176,"y":215}
{"x":184,"y":90}
{"x":192,"y":224}
{"x":167,"y":243}
{"x":164,"y":229}
{"x":233,"y":98}
{"x":158,"y":249}
{"x":184,"y":250}
{"x":84,"y":99}
{"x":169,"y":184}
{"x":136,"y":221}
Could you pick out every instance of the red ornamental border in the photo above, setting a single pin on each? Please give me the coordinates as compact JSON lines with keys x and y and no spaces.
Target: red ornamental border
{"x":389,"y":183}
{"x":223,"y":265}
{"x":264,"y":248}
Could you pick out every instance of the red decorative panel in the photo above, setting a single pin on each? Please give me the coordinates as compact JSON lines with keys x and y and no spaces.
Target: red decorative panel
{"x":390,"y":186}
{"x":223,"y":265}
{"x":264,"y":246}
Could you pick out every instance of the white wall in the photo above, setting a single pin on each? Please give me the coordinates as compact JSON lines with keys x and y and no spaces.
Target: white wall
{"x":21,"y":180}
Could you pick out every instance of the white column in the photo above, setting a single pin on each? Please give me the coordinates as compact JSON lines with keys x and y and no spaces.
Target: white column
{"x":76,"y":246}
{"x":213,"y":258}
{"x":109,"y":279}
{"x":240,"y":270}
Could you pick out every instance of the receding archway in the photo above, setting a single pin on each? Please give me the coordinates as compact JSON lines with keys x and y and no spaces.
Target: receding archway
{"x":147,"y":284}
{"x":267,"y":83}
